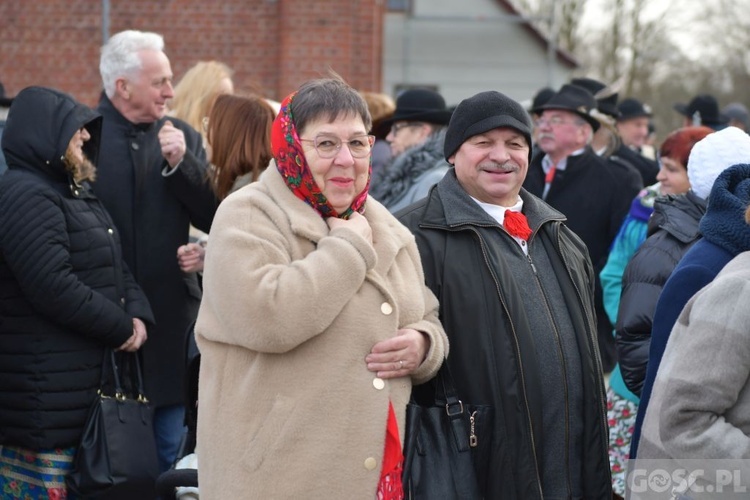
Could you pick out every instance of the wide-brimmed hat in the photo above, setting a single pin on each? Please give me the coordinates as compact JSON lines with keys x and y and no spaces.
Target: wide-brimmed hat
{"x":705,"y":108}
{"x":608,"y":104}
{"x":633,"y":108}
{"x":575,"y":99}
{"x":421,"y":105}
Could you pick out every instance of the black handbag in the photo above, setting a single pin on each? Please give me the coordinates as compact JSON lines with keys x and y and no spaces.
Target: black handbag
{"x":117,"y":455}
{"x":438,"y":444}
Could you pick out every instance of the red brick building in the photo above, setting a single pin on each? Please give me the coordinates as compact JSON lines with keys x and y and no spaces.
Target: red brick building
{"x":273,"y":45}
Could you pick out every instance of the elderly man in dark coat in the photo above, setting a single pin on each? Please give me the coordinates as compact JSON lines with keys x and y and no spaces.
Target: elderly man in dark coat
{"x":574,"y":180}
{"x":152,"y":179}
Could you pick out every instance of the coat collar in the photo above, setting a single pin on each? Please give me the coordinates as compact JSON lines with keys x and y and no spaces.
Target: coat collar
{"x":389,"y":235}
{"x":459,"y":209}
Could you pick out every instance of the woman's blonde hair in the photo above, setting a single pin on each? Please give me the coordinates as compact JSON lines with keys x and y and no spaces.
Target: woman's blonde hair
{"x":195,"y":94}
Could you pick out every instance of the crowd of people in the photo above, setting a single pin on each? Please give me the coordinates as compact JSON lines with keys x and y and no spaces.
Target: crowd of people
{"x":329,"y":254}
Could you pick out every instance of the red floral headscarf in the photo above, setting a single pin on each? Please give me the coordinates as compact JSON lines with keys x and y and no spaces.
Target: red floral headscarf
{"x":291,"y":163}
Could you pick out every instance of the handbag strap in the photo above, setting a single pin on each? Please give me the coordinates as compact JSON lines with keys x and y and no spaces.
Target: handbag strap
{"x":119,"y":394}
{"x":117,"y":380}
{"x":454,"y":407}
{"x":139,"y":378}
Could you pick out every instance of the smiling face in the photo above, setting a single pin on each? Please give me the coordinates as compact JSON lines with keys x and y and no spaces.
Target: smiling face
{"x":144,"y":95}
{"x":492,"y":166}
{"x":342,"y":177}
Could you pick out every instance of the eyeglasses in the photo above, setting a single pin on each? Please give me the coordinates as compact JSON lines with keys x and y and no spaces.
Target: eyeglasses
{"x":204,"y":124}
{"x":555,"y":121}
{"x":328,"y":146}
{"x":399,"y":126}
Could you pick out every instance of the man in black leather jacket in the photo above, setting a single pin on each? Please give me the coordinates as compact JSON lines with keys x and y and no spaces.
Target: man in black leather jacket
{"x":517,"y":304}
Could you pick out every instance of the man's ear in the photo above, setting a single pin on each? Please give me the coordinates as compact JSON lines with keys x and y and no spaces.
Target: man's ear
{"x":122,"y":88}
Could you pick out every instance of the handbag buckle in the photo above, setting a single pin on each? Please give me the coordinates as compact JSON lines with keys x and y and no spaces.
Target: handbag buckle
{"x":120,"y":396}
{"x":460,"y":406}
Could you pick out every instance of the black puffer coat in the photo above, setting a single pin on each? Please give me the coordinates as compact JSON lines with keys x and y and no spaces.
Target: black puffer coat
{"x":65,"y":293}
{"x":672,"y":230}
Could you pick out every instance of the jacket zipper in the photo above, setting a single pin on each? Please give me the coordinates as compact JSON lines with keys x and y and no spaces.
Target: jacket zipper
{"x":564,"y":375}
{"x":518,"y":356}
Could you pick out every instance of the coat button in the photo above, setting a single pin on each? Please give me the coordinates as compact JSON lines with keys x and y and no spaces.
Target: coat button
{"x":378,"y":383}
{"x":370,"y":463}
{"x":122,"y":300}
{"x":75,"y":192}
{"x":110,"y":231}
{"x":135,"y":146}
{"x":386,"y":308}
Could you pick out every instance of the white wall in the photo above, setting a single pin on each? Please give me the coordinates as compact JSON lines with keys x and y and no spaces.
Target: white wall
{"x":445,"y":44}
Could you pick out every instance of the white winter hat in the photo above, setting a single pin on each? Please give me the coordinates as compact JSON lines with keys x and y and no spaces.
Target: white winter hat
{"x":713,"y":154}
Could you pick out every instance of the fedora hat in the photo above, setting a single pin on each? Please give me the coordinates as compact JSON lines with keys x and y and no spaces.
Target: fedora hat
{"x":705,"y":107}
{"x":575,"y":99}
{"x":606,"y":105}
{"x":632,"y":108}
{"x":421,"y":105}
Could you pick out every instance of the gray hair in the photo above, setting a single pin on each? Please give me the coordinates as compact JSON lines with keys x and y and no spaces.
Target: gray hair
{"x":120,"y":55}
{"x":328,"y":98}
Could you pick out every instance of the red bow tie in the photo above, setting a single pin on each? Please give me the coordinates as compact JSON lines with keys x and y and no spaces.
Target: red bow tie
{"x":517,"y":225}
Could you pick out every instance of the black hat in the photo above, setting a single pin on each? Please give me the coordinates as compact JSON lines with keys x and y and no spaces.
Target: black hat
{"x":541,"y":97}
{"x":632,"y":108}
{"x":575,"y":99}
{"x":737,"y":111}
{"x":608,"y":104}
{"x":421,"y":105}
{"x":482,"y":112}
{"x":705,"y":108}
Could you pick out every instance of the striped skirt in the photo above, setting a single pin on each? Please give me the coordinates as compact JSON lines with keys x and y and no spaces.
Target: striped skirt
{"x":35,"y":475}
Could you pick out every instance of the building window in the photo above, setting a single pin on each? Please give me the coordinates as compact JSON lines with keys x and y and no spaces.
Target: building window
{"x":399,"y":5}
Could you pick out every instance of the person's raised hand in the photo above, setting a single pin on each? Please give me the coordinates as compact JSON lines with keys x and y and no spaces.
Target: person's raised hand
{"x":356,"y":222}
{"x":172,"y":142}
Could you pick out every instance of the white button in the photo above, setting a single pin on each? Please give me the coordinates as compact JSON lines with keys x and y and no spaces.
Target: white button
{"x":110,"y":231}
{"x":371,"y":463}
{"x":378,"y":383}
{"x":386,"y":308}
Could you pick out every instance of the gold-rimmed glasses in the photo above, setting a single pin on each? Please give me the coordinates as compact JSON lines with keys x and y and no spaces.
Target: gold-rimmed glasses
{"x":328,"y":146}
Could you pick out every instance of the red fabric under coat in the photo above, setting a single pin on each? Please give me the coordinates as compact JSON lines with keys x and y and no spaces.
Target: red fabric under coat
{"x":390,"y":486}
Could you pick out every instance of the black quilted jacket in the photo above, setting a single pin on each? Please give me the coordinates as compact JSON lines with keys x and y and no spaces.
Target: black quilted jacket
{"x":65,"y":293}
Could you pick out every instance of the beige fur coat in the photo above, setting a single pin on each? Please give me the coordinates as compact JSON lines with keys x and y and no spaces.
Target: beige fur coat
{"x":287,"y":408}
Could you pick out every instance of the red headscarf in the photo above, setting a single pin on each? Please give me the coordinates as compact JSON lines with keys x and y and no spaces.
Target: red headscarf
{"x":291,"y":163}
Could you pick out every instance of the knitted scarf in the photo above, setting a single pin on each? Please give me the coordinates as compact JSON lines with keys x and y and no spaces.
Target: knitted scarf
{"x":291,"y":163}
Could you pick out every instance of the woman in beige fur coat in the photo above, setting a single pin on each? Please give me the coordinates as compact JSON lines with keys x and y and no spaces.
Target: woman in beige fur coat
{"x":315,"y":320}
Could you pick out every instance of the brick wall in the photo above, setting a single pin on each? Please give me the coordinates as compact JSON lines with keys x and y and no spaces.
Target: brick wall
{"x":273,"y":45}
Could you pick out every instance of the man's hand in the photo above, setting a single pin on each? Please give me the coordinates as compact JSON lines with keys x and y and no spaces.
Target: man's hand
{"x":172,"y":141}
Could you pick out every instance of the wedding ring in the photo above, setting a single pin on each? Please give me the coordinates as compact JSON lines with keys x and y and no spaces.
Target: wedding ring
{"x":401,"y":364}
